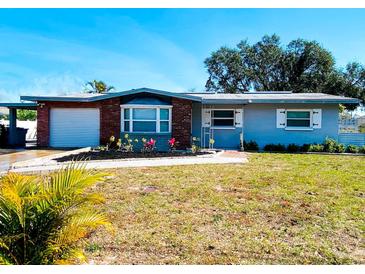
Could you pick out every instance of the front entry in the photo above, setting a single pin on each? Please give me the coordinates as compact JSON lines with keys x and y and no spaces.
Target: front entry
{"x":224,"y":126}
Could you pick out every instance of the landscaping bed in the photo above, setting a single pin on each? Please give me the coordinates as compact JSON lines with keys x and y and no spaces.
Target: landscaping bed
{"x":115,"y":154}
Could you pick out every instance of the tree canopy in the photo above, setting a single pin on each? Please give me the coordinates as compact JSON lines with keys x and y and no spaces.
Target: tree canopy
{"x":299,"y":66}
{"x":26,"y":115}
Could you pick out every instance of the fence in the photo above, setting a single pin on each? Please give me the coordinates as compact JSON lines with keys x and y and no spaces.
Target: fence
{"x":357,"y":139}
{"x":30,"y":125}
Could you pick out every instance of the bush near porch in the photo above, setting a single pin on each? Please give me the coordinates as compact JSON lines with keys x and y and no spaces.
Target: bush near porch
{"x":277,"y":209}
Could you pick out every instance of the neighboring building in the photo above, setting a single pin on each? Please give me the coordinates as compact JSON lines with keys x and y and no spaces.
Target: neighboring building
{"x":3,"y":111}
{"x":265,"y":117}
{"x":351,"y":124}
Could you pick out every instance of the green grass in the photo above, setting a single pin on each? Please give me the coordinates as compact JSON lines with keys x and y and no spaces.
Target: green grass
{"x":277,"y":209}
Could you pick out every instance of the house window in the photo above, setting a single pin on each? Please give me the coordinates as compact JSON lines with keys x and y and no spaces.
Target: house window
{"x":223,"y":118}
{"x":300,"y":119}
{"x":146,"y":119}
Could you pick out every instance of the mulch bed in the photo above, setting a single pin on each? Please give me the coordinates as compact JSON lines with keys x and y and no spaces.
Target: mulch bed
{"x":112,"y":155}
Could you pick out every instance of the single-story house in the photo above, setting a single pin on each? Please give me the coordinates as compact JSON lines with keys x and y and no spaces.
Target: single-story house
{"x":266,"y":117}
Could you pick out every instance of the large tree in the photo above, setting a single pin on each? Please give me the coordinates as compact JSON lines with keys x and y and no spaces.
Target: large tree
{"x":300,"y":66}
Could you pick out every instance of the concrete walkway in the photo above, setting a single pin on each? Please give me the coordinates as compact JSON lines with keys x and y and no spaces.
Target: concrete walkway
{"x":8,"y":157}
{"x":48,"y":163}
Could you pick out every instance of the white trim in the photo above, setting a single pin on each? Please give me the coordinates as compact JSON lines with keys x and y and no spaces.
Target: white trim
{"x":145,"y":106}
{"x":157,"y":120}
{"x":299,"y":128}
{"x":223,"y":128}
{"x":222,"y":118}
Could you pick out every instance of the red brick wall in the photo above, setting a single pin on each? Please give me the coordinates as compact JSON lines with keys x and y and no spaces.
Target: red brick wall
{"x":109,"y":118}
{"x":42,"y":126}
{"x":181,"y":122}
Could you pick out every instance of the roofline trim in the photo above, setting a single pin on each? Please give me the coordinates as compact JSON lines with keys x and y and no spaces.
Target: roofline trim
{"x":19,"y":105}
{"x":111,"y":95}
{"x":280,"y":101}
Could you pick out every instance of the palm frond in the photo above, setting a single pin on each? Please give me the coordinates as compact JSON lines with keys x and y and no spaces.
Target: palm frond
{"x":42,"y":220}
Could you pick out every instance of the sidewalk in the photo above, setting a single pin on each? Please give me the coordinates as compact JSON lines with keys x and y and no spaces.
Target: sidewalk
{"x":46,"y":164}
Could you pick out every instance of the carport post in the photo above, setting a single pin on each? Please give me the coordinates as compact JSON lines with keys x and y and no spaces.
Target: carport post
{"x":12,"y":126}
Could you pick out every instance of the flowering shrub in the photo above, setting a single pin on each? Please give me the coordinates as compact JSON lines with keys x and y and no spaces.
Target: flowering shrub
{"x":148,"y":146}
{"x":119,"y":144}
{"x":172,"y":144}
{"x":211,"y":142}
{"x":195,"y":148}
{"x":128,"y":143}
{"x":111,"y":143}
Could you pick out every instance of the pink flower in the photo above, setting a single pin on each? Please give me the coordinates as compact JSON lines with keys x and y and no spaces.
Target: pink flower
{"x":151,"y":142}
{"x":172,"y":142}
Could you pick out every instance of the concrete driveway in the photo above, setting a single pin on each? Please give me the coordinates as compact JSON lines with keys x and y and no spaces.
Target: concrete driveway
{"x":10,"y":156}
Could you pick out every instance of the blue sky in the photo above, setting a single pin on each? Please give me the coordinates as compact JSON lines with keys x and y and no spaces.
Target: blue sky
{"x":45,"y":51}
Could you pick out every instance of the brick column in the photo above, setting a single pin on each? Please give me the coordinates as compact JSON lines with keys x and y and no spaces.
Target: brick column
{"x":109,"y":119}
{"x":42,"y":125}
{"x":181,"y":122}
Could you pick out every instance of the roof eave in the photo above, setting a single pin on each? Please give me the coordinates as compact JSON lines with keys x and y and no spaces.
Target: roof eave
{"x":109,"y":96}
{"x":278,"y":101}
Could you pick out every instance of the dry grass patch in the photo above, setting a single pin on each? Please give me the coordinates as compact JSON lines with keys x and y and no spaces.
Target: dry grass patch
{"x":277,"y":209}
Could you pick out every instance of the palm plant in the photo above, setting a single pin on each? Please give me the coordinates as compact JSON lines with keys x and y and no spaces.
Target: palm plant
{"x":43,"y":220}
{"x":97,"y":87}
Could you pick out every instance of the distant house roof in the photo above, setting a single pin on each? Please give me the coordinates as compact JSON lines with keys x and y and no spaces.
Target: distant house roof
{"x":208,"y":98}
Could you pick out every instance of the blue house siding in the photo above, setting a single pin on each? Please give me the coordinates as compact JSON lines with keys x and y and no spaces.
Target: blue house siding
{"x":196,"y":127}
{"x":260,"y":124}
{"x":226,"y":138}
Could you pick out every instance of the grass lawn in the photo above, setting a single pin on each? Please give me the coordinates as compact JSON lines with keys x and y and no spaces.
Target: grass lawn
{"x":277,"y":209}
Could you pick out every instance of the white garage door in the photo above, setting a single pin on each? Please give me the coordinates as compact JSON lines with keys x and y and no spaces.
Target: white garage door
{"x":74,"y":127}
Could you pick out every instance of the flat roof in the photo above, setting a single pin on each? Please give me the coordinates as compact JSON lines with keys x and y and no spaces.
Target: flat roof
{"x":274,"y":97}
{"x":19,"y":105}
{"x":208,"y":97}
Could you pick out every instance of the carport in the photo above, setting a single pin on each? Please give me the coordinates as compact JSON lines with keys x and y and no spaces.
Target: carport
{"x":16,"y":135}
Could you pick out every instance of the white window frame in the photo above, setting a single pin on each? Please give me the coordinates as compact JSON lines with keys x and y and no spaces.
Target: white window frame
{"x":299,"y":128}
{"x":222,"y":118}
{"x":158,"y":120}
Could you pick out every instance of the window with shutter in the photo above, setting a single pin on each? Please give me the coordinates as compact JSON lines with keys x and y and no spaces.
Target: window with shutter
{"x":280,"y":118}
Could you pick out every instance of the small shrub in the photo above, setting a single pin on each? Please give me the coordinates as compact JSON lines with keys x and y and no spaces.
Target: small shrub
{"x":127,"y":145}
{"x":316,"y":148}
{"x":172,"y":144}
{"x":341,"y":148}
{"x":250,"y":146}
{"x":305,"y":147}
{"x":195,"y":147}
{"x":362,"y":149}
{"x":148,"y":146}
{"x":211,"y":142}
{"x":330,"y":145}
{"x":293,"y":148}
{"x":352,"y":149}
{"x":274,"y":147}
